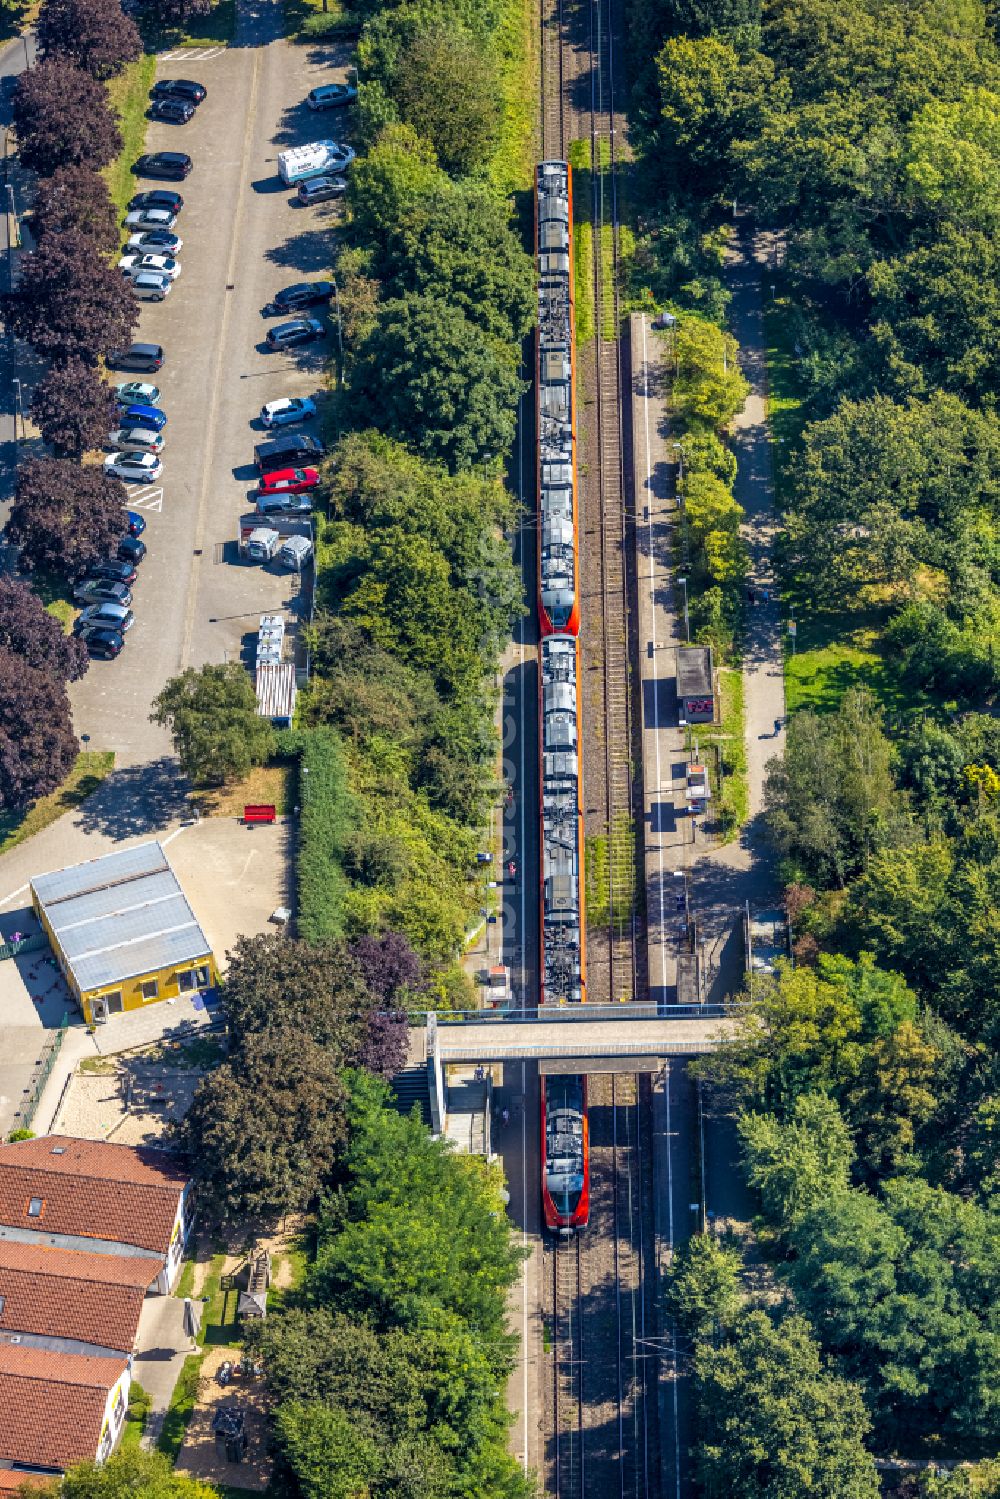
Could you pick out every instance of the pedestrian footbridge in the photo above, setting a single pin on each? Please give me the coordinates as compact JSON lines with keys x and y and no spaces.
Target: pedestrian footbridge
{"x":587,"y":1032}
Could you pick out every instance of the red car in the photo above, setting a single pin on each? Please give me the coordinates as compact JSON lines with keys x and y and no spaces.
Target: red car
{"x":289,"y":481}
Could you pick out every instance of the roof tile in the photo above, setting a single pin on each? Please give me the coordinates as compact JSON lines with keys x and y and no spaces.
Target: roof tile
{"x":53,"y":1404}
{"x":65,"y":1293}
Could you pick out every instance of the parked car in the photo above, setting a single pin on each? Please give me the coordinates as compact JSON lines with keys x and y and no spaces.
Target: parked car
{"x":176,"y":111}
{"x":136,"y":440}
{"x":303,"y":330}
{"x":288,"y":481}
{"x":101,"y":640}
{"x":100,"y":590}
{"x":155,"y":242}
{"x":150,"y":286}
{"x":298,"y":504}
{"x":174,"y":165}
{"x":303,"y":294}
{"x":131,"y":391}
{"x":115,"y":615}
{"x":179,"y":88}
{"x":131,"y":549}
{"x":286,"y":412}
{"x":150,"y":218}
{"x":134,"y":468}
{"x":135,"y":523}
{"x":113,"y":568}
{"x":158,"y":197}
{"x":289,"y":450}
{"x":141,"y":415}
{"x":331,"y":96}
{"x":321,"y":189}
{"x":145,"y":357}
{"x":138,"y":260}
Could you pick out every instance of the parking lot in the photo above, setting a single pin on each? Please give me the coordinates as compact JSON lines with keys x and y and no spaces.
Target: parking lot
{"x":244,"y":237}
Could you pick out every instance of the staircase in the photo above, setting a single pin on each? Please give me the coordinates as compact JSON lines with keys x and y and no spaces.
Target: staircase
{"x":409,"y":1087}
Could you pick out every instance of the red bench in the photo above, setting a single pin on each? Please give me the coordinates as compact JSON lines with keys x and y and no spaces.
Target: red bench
{"x":259,"y":812}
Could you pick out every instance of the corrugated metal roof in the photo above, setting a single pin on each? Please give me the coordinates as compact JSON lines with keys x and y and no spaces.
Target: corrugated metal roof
{"x":276,"y":690}
{"x":96,"y":874}
{"x":120,"y":916}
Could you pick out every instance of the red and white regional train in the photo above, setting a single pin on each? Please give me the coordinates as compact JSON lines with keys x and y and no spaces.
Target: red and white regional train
{"x":564,"y":1137}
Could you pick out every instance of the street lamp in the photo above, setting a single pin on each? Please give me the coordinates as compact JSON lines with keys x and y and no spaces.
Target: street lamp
{"x":18,"y":408}
{"x":687,"y":622}
{"x":679,"y":450}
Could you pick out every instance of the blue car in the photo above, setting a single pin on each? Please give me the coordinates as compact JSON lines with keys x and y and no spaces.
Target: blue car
{"x":136,"y":522}
{"x":150,"y":417}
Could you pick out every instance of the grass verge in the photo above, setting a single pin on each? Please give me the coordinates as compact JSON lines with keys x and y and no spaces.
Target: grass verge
{"x":217,"y":28}
{"x":91,"y":768}
{"x":15,"y":18}
{"x":269,"y":785}
{"x":129,"y":96}
{"x":785,"y":408}
{"x":139,"y":1403}
{"x":514,"y":44}
{"x":723,"y":745}
{"x":309,"y":20}
{"x":609,"y":874}
{"x":181,"y":1407}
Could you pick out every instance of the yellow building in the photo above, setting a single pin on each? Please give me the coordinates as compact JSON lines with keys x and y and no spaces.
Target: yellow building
{"x":123,"y":932}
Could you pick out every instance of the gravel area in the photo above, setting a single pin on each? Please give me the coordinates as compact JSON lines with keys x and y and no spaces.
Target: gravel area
{"x":132,"y":1100}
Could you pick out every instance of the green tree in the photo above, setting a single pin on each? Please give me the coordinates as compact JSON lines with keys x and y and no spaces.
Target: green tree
{"x":332,"y":1455}
{"x":712,"y":518}
{"x":709,"y":387}
{"x":702,"y":1288}
{"x":832,"y":800}
{"x":951,"y":155}
{"x":446,"y":88}
{"x":776,"y":1423}
{"x":426,"y":374}
{"x":795,"y":1165}
{"x":212,"y":714}
{"x":710,"y":97}
{"x":132,"y":1473}
{"x":265,"y":1129}
{"x":397,"y":172}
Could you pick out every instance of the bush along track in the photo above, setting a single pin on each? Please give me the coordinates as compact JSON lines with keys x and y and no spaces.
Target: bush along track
{"x":416,"y":587}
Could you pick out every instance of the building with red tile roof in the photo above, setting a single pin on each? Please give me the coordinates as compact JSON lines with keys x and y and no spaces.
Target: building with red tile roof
{"x":58,"y":1408}
{"x":72,"y":1296}
{"x":86,"y":1194}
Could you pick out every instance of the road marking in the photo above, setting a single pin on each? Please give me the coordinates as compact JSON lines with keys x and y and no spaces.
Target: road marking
{"x":13,"y":895}
{"x":146,"y":499}
{"x":191,"y":54}
{"x":213,"y":415}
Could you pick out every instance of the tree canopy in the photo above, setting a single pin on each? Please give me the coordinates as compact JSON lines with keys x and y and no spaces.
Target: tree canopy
{"x":212,"y":714}
{"x":62,"y":118}
{"x":65,"y":516}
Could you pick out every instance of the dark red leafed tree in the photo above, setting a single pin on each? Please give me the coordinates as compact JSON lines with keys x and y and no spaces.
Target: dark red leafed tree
{"x":97,"y":35}
{"x":75,"y":197}
{"x":37,"y":743}
{"x":73,"y":408}
{"x":62,"y":115}
{"x":65,"y":515}
{"x":29,"y":632}
{"x":70,"y":303}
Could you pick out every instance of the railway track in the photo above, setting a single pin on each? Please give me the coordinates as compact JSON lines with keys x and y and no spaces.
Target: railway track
{"x":568,"y":1455}
{"x":579,"y":63}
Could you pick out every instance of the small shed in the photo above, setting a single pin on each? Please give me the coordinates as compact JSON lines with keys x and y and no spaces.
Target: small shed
{"x":696,"y":683}
{"x":276,"y":691}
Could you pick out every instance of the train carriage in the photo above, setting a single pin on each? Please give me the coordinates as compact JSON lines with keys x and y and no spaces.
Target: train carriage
{"x":555,"y":396}
{"x":565,"y":1154}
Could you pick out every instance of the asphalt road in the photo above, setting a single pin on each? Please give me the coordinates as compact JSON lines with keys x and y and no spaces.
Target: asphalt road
{"x":242,"y":240}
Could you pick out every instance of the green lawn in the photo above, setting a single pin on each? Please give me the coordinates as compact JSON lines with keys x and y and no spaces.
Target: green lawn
{"x":727,"y":762}
{"x":181,"y":1407}
{"x":216,"y":29}
{"x":87,"y":774}
{"x":305,"y":20}
{"x":129,"y":95}
{"x":785,"y":414}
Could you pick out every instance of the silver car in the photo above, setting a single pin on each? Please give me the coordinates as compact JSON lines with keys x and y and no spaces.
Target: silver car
{"x":136,"y":440}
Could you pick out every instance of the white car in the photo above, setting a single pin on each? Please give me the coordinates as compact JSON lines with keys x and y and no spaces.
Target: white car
{"x":155,"y":242}
{"x":150,"y":286}
{"x":134,"y":468}
{"x":160,"y":265}
{"x":285,"y":412}
{"x":150,"y":218}
{"x":135,"y":440}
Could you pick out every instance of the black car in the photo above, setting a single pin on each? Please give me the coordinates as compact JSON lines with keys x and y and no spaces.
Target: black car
{"x":131,"y":549}
{"x":287,"y":452}
{"x":174,"y":165}
{"x":159,"y":197}
{"x":144,"y":357}
{"x":302,"y":330}
{"x":114,"y":569}
{"x":179,"y":88}
{"x":303,"y":294}
{"x":101,"y":641}
{"x":177,"y":111}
